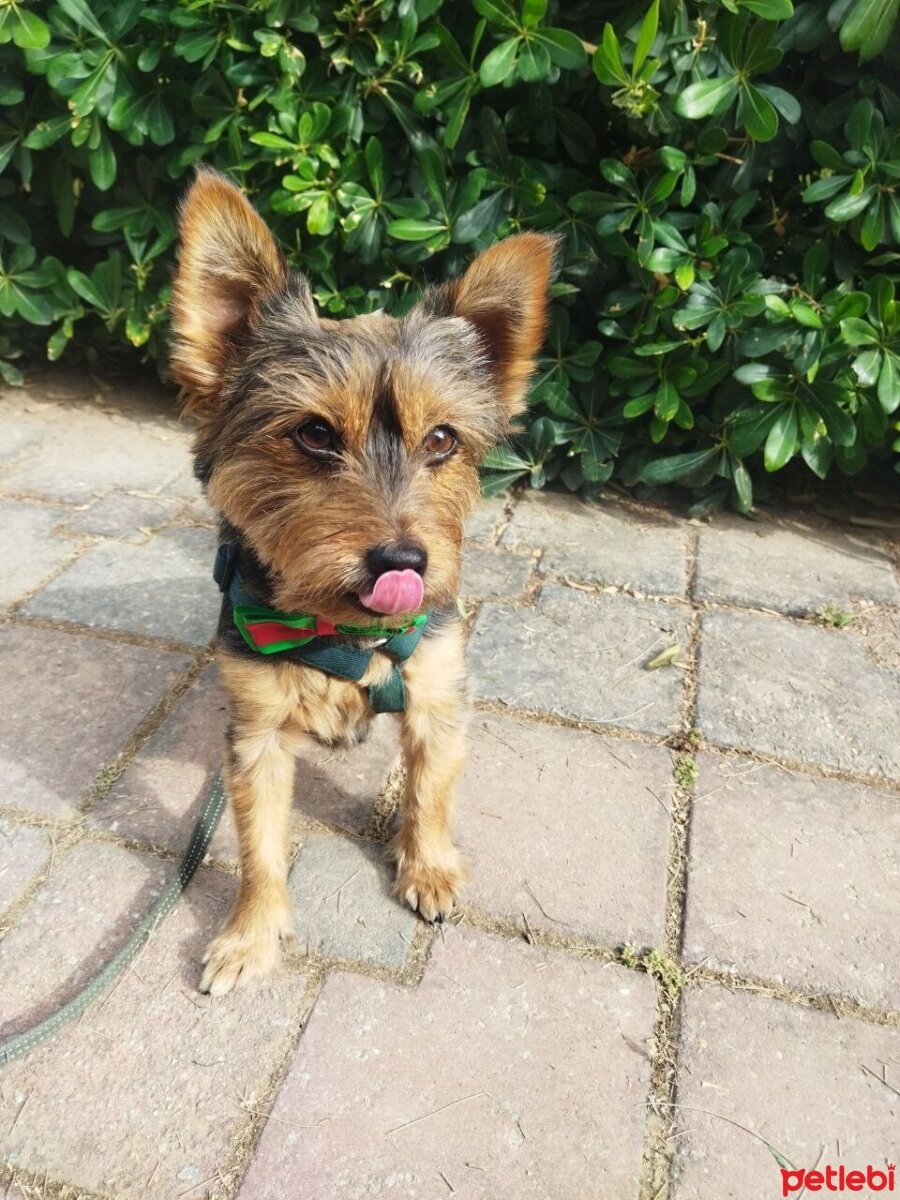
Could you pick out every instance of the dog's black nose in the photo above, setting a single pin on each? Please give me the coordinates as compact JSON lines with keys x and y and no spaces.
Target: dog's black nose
{"x":408,"y":557}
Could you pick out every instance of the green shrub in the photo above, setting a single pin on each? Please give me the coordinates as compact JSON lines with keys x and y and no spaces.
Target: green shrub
{"x":726,"y":174}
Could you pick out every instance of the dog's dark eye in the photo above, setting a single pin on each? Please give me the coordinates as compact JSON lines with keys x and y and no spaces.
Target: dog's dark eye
{"x":440,"y":443}
{"x":316,"y":437}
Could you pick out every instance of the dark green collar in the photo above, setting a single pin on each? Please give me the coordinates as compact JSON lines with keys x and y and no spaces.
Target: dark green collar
{"x":267,"y":631}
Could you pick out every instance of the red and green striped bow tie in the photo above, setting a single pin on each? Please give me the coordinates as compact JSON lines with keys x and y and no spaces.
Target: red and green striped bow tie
{"x":268,"y":631}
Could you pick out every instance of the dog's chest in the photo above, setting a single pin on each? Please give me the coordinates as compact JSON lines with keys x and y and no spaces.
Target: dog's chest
{"x":300,"y":699}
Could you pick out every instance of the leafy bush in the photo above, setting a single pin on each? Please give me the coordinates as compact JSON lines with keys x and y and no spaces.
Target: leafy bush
{"x":727,"y":175}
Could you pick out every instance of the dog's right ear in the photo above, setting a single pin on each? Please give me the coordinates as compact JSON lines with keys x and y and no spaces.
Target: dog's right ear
{"x":229,"y":263}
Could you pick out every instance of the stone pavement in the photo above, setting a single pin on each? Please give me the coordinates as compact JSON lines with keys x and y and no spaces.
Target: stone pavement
{"x":675,"y":970}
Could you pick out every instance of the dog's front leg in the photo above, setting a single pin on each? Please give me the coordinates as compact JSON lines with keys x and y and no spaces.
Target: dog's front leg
{"x":429,"y":869}
{"x":260,"y":778}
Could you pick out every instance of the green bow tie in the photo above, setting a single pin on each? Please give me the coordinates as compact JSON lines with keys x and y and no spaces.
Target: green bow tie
{"x":267,"y":631}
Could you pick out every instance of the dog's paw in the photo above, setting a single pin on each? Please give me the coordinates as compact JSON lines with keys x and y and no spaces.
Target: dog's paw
{"x":243,"y":954}
{"x":430,"y":888}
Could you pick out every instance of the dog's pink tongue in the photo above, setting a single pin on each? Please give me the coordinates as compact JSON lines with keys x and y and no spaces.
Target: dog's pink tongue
{"x":395,"y":592}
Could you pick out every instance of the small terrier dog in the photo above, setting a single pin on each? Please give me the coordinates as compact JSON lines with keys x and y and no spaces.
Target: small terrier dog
{"x":342,"y":459}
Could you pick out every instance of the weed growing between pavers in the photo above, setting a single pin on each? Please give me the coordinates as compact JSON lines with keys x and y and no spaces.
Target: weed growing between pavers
{"x":667,"y":971}
{"x":833,"y":618}
{"x":685,"y":771}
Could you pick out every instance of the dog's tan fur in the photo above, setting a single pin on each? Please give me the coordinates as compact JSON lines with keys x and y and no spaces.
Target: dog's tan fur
{"x":255,"y":361}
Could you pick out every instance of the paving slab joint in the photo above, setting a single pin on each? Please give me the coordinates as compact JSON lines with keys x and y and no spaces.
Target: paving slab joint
{"x":835,"y":1005}
{"x":659,"y":1147}
{"x":302,"y":959}
{"x":513,"y":496}
{"x":107,"y":635}
{"x":61,"y":841}
{"x":64,"y":833}
{"x":258,"y":1108}
{"x":110,"y":773}
{"x":664,"y":963}
{"x":30,"y":497}
{"x":37,"y":1185}
{"x":82,"y":542}
{"x":535,"y":581}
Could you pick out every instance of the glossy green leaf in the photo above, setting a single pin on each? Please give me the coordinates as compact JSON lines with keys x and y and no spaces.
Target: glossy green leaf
{"x":566,"y":49}
{"x":824,"y":189}
{"x":102,"y":164}
{"x":707,"y":97}
{"x":534,"y":61}
{"x":889,"y":382}
{"x":676,"y":466}
{"x":868,"y":27}
{"x":82,"y":14}
{"x":533,"y":12}
{"x":757,"y":114}
{"x":857,"y":332}
{"x":743,"y":486}
{"x":781,"y":443}
{"x":818,"y":455}
{"x":874,"y":228}
{"x":497,"y":12}
{"x":646,"y":36}
{"x":867,"y":367}
{"x":846,"y":207}
{"x":805,"y":314}
{"x":784,"y":102}
{"x":667,"y":400}
{"x":608,"y":66}
{"x":770,"y":10}
{"x":414,"y":231}
{"x":29,"y":32}
{"x":499,"y":63}
{"x":639,"y":405}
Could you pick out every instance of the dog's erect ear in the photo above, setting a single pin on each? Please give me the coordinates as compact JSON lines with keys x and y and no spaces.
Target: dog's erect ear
{"x":229,"y":262}
{"x":504,"y":295}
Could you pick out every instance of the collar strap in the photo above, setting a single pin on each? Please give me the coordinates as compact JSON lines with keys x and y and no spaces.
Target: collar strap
{"x":267,"y":631}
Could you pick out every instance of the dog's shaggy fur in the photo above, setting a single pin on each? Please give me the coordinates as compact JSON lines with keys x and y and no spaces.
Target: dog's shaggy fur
{"x":257,"y":365}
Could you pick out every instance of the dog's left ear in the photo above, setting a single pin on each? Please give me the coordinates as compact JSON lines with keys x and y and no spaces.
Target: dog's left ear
{"x":504,"y":295}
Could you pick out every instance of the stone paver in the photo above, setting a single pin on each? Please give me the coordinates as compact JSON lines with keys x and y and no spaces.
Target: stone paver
{"x":91,"y":901}
{"x":508,"y":1073}
{"x":582,"y":655}
{"x":792,"y":569}
{"x":794,"y":1077}
{"x":159,"y":795}
{"x":343,"y":908}
{"x":30,"y":548}
{"x":494,"y":574}
{"x":811,"y":898}
{"x":799,"y":692}
{"x":525,"y":792}
{"x":144,"y":1097}
{"x":96,"y":448}
{"x":186,"y":489}
{"x":125,"y":516}
{"x":162,"y":588}
{"x":17,"y":430}
{"x":339,"y":785}
{"x":483,"y":522}
{"x":601,"y":544}
{"x":69,"y":702}
{"x":23,"y":852}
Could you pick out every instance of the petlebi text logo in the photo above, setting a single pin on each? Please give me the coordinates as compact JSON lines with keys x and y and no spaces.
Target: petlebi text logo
{"x":838,"y":1179}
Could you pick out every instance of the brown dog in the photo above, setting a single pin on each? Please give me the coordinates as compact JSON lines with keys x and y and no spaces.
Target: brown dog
{"x":342,"y":458}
